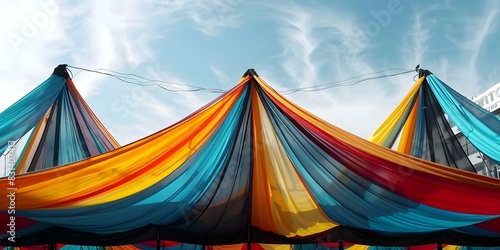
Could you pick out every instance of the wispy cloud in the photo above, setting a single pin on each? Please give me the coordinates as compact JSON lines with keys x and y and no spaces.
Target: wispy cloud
{"x":115,"y":34}
{"x":314,"y":37}
{"x":140,"y":115}
{"x":324,"y":45}
{"x":299,"y":44}
{"x":187,"y":99}
{"x":209,"y":17}
{"x":415,"y":41}
{"x":107,"y":34}
{"x":452,"y":48}
{"x":92,"y":34}
{"x":223,"y":78}
{"x":480,"y":31}
{"x":302,"y":45}
{"x":32,"y":38}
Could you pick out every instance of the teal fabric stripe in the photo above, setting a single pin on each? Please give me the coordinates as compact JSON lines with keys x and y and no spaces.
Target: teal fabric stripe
{"x":70,"y":135}
{"x":23,"y":115}
{"x":418,"y":139}
{"x":475,"y":230}
{"x":481,"y":127}
{"x":75,"y":247}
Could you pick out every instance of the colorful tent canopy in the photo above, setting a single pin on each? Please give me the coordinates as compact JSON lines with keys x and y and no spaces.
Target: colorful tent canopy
{"x":250,"y":246}
{"x":253,"y":167}
{"x":421,"y":123}
{"x":67,"y":132}
{"x":62,"y":128}
{"x":425,"y":132}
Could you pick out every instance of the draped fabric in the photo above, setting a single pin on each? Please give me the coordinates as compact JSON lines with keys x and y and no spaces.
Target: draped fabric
{"x":63,"y":127}
{"x":251,"y":166}
{"x":481,"y":127}
{"x":388,"y":132}
{"x":23,"y":115}
{"x":423,"y":129}
{"x":167,"y":245}
{"x":60,"y":127}
{"x":329,"y":246}
{"x":429,"y":96}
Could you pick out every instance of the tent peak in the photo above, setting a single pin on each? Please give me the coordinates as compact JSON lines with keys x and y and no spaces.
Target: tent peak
{"x":423,"y":72}
{"x":61,"y":71}
{"x":250,"y":72}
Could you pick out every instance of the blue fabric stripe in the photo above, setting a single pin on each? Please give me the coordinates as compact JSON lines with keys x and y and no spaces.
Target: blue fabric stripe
{"x":23,"y":115}
{"x":75,"y":247}
{"x":474,"y":230}
{"x":481,"y":127}
{"x":70,"y":135}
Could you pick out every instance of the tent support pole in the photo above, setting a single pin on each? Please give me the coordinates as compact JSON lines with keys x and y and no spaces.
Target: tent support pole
{"x":249,"y":238}
{"x":52,"y":245}
{"x":341,"y":238}
{"x":439,"y":243}
{"x":157,"y":237}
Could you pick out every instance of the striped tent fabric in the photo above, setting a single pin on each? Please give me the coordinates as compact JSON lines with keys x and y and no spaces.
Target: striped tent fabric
{"x":59,"y":126}
{"x":253,"y":167}
{"x":421,"y":122}
{"x":167,"y":245}
{"x":424,"y":131}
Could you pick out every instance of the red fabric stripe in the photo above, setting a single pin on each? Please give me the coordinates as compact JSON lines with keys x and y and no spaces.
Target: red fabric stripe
{"x":20,"y":222}
{"x":334,"y":244}
{"x":425,"y":247}
{"x":491,"y":225}
{"x":253,"y":246}
{"x":163,"y":243}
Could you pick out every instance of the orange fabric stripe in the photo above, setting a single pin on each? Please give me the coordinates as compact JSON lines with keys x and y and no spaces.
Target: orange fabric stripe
{"x":406,"y":139}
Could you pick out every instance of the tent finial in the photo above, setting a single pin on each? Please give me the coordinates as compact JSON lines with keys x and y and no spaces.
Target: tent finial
{"x":61,"y":71}
{"x":250,"y":72}
{"x":422,"y":72}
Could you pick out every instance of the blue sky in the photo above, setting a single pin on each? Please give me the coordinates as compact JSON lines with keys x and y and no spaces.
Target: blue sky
{"x":211,"y":44}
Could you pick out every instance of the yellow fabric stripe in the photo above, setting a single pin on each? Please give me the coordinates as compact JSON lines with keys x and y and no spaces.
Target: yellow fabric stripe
{"x":382,"y":133}
{"x":260,"y":186}
{"x":30,"y":148}
{"x":276,"y":247}
{"x":40,"y":190}
{"x":385,"y":153}
{"x":451,"y":247}
{"x":229,"y":247}
{"x":278,"y":187}
{"x":358,"y":247}
{"x":406,"y":138}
